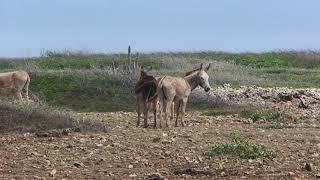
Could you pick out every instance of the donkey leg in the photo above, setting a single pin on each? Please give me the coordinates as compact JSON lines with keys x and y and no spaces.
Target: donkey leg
{"x":155,"y":113}
{"x":165,"y":113}
{"x":172,"y":111}
{"x":178,"y":110}
{"x":146,"y":110}
{"x":183,"y":111}
{"x":18,"y":95}
{"x":139,"y":113}
{"x":160,"y":113}
{"x":167,"y":108}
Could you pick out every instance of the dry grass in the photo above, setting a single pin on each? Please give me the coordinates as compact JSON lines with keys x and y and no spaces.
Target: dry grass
{"x":16,"y":116}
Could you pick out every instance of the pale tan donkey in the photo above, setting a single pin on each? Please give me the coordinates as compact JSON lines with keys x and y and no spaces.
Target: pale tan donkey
{"x":13,"y":83}
{"x":178,"y":89}
{"x":145,"y":89}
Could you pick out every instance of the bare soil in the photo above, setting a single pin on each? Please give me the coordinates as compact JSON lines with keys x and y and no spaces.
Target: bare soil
{"x":129,"y":152}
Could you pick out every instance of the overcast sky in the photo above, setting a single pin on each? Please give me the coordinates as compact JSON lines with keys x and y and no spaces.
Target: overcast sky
{"x":29,"y":26}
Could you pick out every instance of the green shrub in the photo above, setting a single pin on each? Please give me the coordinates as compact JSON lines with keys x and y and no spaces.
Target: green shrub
{"x":241,"y":148}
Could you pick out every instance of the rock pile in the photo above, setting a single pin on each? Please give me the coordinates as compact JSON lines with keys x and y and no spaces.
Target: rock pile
{"x":307,"y":100}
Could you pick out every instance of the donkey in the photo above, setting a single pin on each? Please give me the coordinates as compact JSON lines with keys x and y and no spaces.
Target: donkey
{"x":146,"y":97}
{"x":178,"y":89}
{"x":145,"y":91}
{"x":13,"y":83}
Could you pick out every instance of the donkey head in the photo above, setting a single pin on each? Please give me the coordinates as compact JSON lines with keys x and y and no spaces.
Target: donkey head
{"x":142,"y":73}
{"x":204,"y":77}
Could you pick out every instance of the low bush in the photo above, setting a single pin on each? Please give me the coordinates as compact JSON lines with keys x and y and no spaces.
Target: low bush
{"x":241,"y":148}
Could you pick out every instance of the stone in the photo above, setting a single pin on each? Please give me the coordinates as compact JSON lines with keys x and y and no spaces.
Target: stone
{"x":308,"y":166}
{"x":53,"y":172}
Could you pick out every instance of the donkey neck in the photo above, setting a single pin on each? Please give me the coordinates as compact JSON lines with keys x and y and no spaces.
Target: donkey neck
{"x":193,"y":80}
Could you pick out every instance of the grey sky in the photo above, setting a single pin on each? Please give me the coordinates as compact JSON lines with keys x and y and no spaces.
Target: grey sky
{"x":29,"y":26}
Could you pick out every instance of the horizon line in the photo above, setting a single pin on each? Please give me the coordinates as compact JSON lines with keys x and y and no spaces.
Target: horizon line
{"x":94,"y":52}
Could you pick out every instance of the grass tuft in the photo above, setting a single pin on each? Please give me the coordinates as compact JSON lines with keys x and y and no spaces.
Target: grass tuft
{"x":241,"y":148}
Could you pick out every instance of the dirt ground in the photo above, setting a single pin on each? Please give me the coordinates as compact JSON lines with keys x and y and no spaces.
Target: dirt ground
{"x":128,"y":152}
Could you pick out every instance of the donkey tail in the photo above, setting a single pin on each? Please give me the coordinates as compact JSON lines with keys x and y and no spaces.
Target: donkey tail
{"x":153,"y":97}
{"x":164,"y":93}
{"x":160,"y":83}
{"x":26,"y":86}
{"x":161,"y":88}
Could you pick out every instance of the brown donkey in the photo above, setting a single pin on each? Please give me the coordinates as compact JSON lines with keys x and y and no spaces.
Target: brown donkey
{"x":178,"y":89}
{"x":145,"y":91}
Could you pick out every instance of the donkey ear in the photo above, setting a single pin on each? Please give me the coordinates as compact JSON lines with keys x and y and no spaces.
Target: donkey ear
{"x":150,"y":68}
{"x":141,"y":71}
{"x":207,"y":68}
{"x":141,"y":68}
{"x":201,"y":66}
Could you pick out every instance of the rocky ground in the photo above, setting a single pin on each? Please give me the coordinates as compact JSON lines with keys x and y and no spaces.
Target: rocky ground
{"x":129,"y":152}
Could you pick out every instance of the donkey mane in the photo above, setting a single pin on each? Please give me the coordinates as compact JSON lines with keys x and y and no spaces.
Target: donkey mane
{"x":192,"y":71}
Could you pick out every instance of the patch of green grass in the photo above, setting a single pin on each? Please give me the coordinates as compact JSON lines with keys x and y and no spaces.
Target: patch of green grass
{"x":260,"y":115}
{"x":293,"y":77}
{"x":235,"y":137}
{"x":241,"y":148}
{"x":222,"y":111}
{"x":269,"y":59}
{"x":83,"y":92}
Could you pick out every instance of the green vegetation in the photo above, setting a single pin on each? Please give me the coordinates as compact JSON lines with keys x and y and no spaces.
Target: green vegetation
{"x":101,"y":82}
{"x":240,"y":147}
{"x":261,"y":115}
{"x":83,"y":91}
